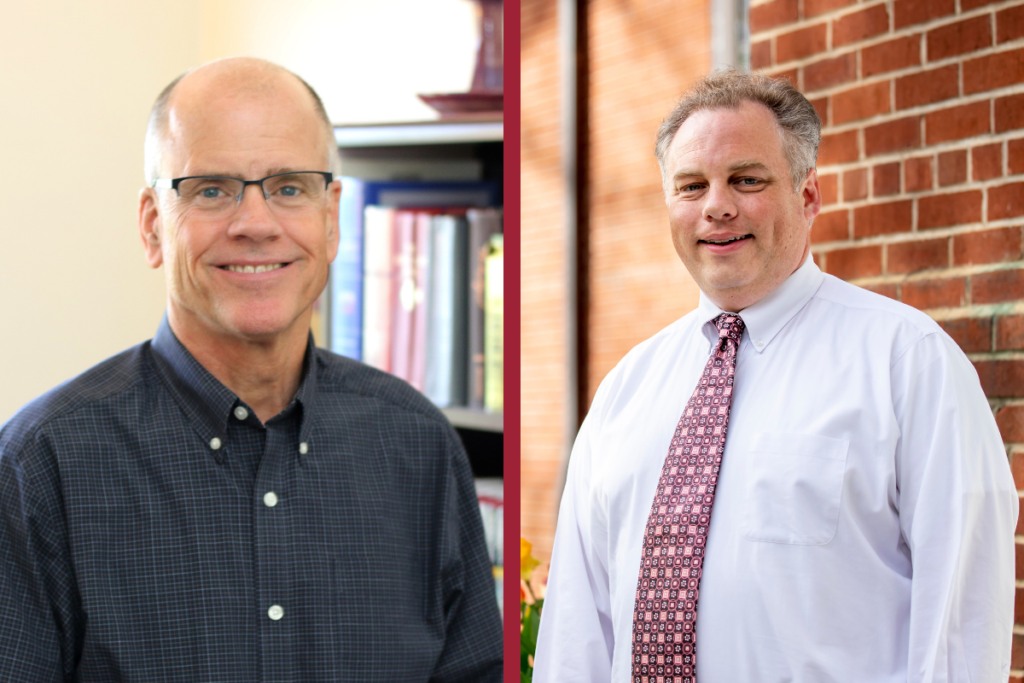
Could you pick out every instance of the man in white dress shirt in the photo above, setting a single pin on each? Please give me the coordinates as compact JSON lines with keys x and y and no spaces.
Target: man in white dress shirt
{"x":863,"y":523}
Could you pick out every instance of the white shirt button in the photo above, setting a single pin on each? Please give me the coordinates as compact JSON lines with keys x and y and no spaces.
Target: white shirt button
{"x":270,"y":499}
{"x":303,"y":448}
{"x":275,"y":612}
{"x":241,"y":413}
{"x":759,"y":343}
{"x":215,"y":443}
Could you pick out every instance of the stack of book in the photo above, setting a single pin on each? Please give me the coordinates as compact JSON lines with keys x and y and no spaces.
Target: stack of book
{"x":415,"y":289}
{"x":490,"y":494}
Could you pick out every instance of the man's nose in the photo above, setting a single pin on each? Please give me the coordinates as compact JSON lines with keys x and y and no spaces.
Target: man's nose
{"x":719,"y":204}
{"x":254,"y":218}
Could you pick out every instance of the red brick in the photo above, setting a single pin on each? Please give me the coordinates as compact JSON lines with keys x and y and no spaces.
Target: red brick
{"x":1010,"y":337}
{"x":1018,"y":602}
{"x":966,"y":5}
{"x":800,"y":43}
{"x":925,"y":294}
{"x":1005,"y":201}
{"x":955,"y":123}
{"x":885,"y":179}
{"x":1010,"y":24}
{"x":925,"y":87}
{"x":972,"y":335}
{"x":761,"y":54}
{"x":917,"y":174}
{"x":1017,"y":651}
{"x":996,"y":287}
{"x":772,"y":14}
{"x":848,"y":264}
{"x":1001,"y":378}
{"x":1017,"y":469}
{"x":860,"y":25}
{"x":855,"y":184}
{"x":820,"y":105}
{"x":837,"y":148}
{"x":882,"y":219}
{"x":987,"y":161}
{"x":790,"y":75}
{"x":892,"y":135}
{"x":813,"y":8}
{"x":832,"y":226}
{"x":938,"y":211}
{"x":911,"y":257}
{"x":1015,"y":156}
{"x":829,"y":72}
{"x":956,"y":39}
{"x":909,"y":12}
{"x":1009,"y":113}
{"x":1011,"y":426}
{"x":885,"y":290}
{"x":952,"y":167}
{"x":993,"y":71}
{"x":829,"y":186}
{"x":860,"y":103}
{"x":987,"y":246}
{"x":889,"y":56}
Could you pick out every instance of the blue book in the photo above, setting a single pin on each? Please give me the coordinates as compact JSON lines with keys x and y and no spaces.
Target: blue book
{"x":347,"y":272}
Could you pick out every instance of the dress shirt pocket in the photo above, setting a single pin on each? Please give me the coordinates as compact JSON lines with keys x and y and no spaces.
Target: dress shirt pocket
{"x":793,"y":487}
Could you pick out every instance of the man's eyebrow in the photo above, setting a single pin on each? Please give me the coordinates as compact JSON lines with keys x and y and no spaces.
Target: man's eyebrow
{"x":747,"y":165}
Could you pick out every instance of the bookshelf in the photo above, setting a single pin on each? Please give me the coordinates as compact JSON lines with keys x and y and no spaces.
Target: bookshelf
{"x":464,"y":149}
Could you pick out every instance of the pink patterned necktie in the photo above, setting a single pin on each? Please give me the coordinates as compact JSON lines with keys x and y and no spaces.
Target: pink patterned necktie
{"x":665,"y":612}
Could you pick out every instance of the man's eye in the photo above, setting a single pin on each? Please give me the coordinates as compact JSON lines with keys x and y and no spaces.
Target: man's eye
{"x":694,"y":187}
{"x":290,"y":191}
{"x":211,"y":192}
{"x":750,"y":182}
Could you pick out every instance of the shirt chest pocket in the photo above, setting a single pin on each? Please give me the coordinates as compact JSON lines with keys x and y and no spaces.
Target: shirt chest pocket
{"x":793,"y":485}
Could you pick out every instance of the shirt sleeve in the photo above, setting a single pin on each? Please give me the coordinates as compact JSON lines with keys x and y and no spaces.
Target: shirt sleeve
{"x":958,"y":510}
{"x":473,"y":640}
{"x":39,"y":623}
{"x":576,"y":641}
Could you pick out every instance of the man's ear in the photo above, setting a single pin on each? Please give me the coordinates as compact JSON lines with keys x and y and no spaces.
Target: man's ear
{"x":333,"y":197}
{"x":810,"y":196}
{"x":151,"y":227}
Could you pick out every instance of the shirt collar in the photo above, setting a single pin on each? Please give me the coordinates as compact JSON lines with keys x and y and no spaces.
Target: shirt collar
{"x":765,"y":319}
{"x":205,"y":401}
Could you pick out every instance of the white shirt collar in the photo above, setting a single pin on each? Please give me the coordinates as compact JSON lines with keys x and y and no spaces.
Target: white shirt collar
{"x":767,"y":317}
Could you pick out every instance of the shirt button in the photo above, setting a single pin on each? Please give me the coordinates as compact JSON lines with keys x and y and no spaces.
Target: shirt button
{"x":215,"y":443}
{"x":759,"y":343}
{"x":275,"y":612}
{"x":270,"y":499}
{"x":241,"y":413}
{"x":303,"y":448}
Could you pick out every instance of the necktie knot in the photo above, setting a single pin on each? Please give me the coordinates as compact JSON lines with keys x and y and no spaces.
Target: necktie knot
{"x":730,"y":326}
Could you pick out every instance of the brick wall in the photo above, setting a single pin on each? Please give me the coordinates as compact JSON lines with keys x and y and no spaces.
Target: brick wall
{"x":542,"y":355}
{"x":922,"y":170}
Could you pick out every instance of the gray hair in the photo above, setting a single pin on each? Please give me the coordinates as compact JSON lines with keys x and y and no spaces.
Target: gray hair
{"x":798,"y":123}
{"x":156,"y":130}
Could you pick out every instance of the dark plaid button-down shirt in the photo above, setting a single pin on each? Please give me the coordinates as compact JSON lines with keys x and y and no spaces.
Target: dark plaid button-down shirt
{"x":151,"y":529}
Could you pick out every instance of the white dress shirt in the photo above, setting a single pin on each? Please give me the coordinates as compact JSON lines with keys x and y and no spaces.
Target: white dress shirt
{"x":863,"y":525}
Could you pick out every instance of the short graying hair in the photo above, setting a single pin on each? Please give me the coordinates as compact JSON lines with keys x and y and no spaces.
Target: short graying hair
{"x":157,"y":127}
{"x":798,"y":123}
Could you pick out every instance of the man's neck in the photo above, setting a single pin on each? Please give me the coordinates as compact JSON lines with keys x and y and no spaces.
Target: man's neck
{"x":264,"y":373}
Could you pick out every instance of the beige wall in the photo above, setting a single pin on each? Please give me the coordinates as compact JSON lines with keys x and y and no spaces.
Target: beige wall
{"x":77,"y":84}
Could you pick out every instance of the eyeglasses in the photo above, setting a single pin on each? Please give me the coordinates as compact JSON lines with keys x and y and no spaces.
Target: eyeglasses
{"x":219,"y":196}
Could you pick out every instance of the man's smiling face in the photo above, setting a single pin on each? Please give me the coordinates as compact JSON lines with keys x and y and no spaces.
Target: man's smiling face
{"x":254,"y":273}
{"x":737,"y":223}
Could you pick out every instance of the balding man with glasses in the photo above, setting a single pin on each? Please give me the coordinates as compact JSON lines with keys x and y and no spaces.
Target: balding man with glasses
{"x":228,"y":502}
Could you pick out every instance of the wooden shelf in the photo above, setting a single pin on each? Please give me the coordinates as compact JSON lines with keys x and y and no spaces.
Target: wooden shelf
{"x":421,"y":133}
{"x":474,"y":419}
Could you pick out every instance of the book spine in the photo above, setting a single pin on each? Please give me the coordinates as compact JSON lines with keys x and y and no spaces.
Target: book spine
{"x":377,"y":287}
{"x":422,"y":301}
{"x":404,"y":294}
{"x":482,"y":224}
{"x":346,"y":292}
{"x":494,"y":312}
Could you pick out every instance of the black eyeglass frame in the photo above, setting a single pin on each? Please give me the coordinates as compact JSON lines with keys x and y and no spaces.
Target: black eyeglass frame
{"x":173,"y":183}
